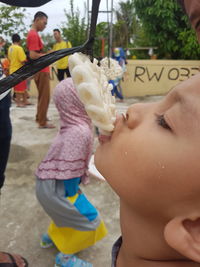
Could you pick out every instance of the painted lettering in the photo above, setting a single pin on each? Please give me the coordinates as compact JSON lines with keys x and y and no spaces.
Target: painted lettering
{"x":173,"y":74}
{"x":196,"y":70}
{"x":156,"y":75}
{"x":139,"y":71}
{"x":186,"y":74}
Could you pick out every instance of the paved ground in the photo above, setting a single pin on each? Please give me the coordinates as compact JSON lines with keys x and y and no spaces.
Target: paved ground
{"x":22,"y":218}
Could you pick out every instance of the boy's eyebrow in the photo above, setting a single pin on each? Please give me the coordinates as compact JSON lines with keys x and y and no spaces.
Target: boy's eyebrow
{"x":187,"y":105}
{"x":177,"y":96}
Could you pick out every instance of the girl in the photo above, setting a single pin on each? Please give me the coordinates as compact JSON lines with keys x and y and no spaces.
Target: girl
{"x":76,"y":224}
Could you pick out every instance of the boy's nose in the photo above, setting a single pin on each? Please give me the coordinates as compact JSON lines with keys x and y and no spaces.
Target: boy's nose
{"x":135,"y":114}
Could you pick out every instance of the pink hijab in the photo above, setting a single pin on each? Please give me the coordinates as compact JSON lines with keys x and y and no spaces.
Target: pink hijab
{"x":69,"y":154}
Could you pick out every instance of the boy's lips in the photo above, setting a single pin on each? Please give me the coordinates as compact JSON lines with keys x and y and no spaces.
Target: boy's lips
{"x":105,"y":138}
{"x":118,"y":118}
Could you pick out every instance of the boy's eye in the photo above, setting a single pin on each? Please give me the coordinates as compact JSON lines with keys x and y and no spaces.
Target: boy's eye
{"x":162,"y":122}
{"x":125,"y":116}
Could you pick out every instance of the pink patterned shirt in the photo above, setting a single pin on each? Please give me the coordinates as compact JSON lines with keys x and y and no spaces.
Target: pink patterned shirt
{"x":69,"y":154}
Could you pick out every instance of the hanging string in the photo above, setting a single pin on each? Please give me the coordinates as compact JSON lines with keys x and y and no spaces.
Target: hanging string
{"x":108,"y":23}
{"x":34,"y":66}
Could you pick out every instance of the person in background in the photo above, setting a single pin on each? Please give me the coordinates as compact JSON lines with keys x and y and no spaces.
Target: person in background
{"x":6,"y":259}
{"x":119,"y":56}
{"x":5,"y":127}
{"x":76,"y":223}
{"x":61,"y":64}
{"x":5,"y":64}
{"x":17,"y":58}
{"x":42,"y":78}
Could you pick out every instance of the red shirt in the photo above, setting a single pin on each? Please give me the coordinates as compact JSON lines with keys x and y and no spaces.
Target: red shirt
{"x":34,"y":43}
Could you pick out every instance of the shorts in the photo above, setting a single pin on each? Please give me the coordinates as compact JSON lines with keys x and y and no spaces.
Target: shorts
{"x":20,"y":87}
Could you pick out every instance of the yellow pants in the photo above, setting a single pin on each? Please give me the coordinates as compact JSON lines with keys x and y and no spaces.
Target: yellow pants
{"x":70,"y":241}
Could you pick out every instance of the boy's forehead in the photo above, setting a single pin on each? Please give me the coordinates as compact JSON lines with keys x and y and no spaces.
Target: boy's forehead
{"x":190,"y":86}
{"x":187,"y":93}
{"x":192,"y":8}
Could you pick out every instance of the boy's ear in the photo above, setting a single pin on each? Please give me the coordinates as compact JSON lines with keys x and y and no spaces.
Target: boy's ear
{"x":183,"y":235}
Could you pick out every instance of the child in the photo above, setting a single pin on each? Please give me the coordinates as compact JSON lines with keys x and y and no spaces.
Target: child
{"x":17,"y":57}
{"x":152,"y":162}
{"x":76,"y":223}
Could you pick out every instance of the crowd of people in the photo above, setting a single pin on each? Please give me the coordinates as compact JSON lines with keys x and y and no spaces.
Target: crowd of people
{"x":155,"y":175}
{"x":16,"y":57}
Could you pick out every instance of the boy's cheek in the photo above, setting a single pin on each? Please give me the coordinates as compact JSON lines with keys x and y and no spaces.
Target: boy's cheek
{"x":99,"y":158}
{"x":198,"y":35}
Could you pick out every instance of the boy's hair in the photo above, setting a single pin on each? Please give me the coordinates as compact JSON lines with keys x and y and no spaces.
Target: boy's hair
{"x":40,"y":15}
{"x":56,"y":30}
{"x":15,"y":38}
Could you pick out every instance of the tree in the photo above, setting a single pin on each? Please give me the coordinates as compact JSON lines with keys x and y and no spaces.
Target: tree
{"x":48,"y":41}
{"x":12,"y":20}
{"x":75,"y":28}
{"x":127,"y":24}
{"x":167,"y":27}
{"x":102,"y":33}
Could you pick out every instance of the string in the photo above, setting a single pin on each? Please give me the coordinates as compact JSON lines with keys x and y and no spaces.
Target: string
{"x":108,"y":23}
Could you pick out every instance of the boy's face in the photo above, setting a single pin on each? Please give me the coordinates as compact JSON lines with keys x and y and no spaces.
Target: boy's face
{"x":56,"y":35}
{"x":41,"y":23}
{"x":192,"y":8}
{"x":153,"y":157}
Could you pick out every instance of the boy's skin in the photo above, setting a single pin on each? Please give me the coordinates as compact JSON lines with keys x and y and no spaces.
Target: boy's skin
{"x":192,"y":9}
{"x":153,"y":164}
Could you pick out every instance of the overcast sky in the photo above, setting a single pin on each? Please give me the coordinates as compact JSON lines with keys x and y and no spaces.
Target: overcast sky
{"x":55,"y":11}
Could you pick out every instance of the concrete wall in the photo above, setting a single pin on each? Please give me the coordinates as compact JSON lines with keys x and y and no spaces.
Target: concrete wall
{"x":156,"y":77}
{"x":148,"y":77}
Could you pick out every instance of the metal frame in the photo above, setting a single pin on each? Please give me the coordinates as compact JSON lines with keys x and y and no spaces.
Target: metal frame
{"x":110,"y":24}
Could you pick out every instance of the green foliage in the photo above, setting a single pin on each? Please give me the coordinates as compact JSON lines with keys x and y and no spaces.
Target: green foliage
{"x":127,"y":24}
{"x":191,"y":48}
{"x":48,"y":41}
{"x":12,"y":20}
{"x":102,"y":32}
{"x":167,"y":27}
{"x":75,"y":28}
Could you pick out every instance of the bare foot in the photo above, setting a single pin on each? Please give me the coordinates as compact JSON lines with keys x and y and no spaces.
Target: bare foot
{"x":21,"y":106}
{"x":28,"y":103}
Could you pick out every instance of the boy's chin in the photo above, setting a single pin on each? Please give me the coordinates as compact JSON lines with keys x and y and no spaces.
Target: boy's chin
{"x":99,"y":158}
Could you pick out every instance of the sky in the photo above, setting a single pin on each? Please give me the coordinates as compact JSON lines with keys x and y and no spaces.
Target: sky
{"x":55,"y":11}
